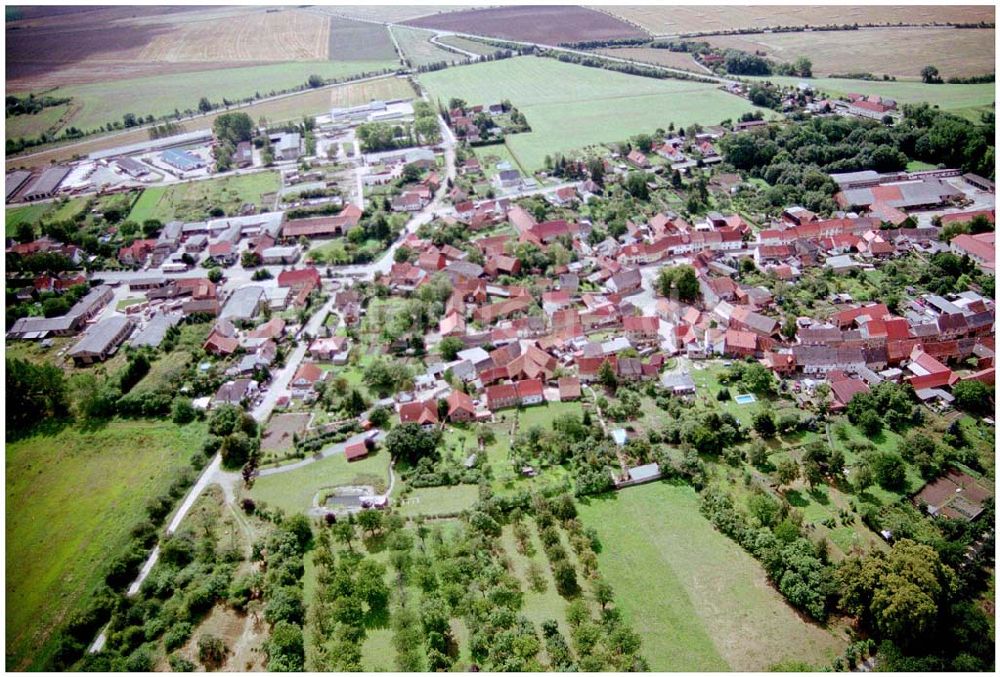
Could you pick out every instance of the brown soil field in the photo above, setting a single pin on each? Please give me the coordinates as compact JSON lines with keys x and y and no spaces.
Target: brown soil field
{"x":660,"y":57}
{"x":902,"y":52}
{"x":545,"y":25}
{"x":667,"y":20}
{"x":280,"y":430}
{"x":95,"y":45}
{"x":310,"y":102}
{"x":389,"y":13}
{"x":255,"y":35}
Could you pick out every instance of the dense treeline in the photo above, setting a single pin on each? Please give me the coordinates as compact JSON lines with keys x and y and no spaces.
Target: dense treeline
{"x":794,"y":159}
{"x":31,"y":104}
{"x":620,"y":67}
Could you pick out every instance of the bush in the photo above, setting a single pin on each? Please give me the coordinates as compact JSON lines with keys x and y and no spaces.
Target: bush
{"x":211,"y":650}
{"x":182,"y":411}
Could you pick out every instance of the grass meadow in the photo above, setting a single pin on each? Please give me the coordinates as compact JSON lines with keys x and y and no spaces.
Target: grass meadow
{"x":570,"y":106}
{"x":72,"y":497}
{"x":293,"y":491}
{"x":699,"y":602}
{"x":191,"y":201}
{"x":418,"y":48}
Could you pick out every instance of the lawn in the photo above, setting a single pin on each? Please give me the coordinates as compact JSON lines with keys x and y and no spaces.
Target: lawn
{"x":699,"y":602}
{"x":570,"y":106}
{"x":30,"y":214}
{"x":491,"y":156}
{"x":191,"y":201}
{"x":162,"y":94}
{"x":543,"y":415}
{"x":72,"y":498}
{"x":293,"y":491}
{"x":965,"y":100}
{"x":432,"y":501}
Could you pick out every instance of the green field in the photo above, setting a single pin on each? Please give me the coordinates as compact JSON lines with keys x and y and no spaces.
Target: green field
{"x":570,"y":106}
{"x":698,"y":601}
{"x":293,"y":491}
{"x":468,"y":45}
{"x":965,"y":100}
{"x":162,"y":94}
{"x":72,"y":498}
{"x":191,"y":201}
{"x":52,"y":211}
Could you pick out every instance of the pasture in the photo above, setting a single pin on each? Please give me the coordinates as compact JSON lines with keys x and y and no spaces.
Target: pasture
{"x":902,"y":52}
{"x":548,"y":25}
{"x":28,"y":126}
{"x":72,"y":497}
{"x":431,"y":501}
{"x":358,"y":41}
{"x":191,"y":201}
{"x":965,"y":100}
{"x":293,"y":491}
{"x":669,"y":20}
{"x":570,"y":106}
{"x":418,"y":49}
{"x":698,"y":601}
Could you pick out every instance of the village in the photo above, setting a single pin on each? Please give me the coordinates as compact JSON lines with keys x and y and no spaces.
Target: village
{"x":403,"y":325}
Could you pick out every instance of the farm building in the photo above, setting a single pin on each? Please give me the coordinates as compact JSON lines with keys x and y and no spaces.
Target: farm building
{"x":244,"y":304}
{"x":14,"y":182}
{"x":100,"y":342}
{"x":287,"y":147}
{"x":45,"y":186}
{"x":132,"y":167}
{"x":182,"y":159}
{"x":152,"y":334}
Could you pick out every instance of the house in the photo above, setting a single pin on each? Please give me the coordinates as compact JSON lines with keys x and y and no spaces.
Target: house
{"x":322,"y":226}
{"x":356,"y":450}
{"x":238,"y":392}
{"x":222,"y":253}
{"x":639,"y":329}
{"x":460,"y":407}
{"x":508,"y":178}
{"x":243,"y":157}
{"x":330,"y":349}
{"x":279,"y":255}
{"x":101,"y":340}
{"x":569,"y":389}
{"x":638,"y":158}
{"x":136,"y":253}
{"x":844,"y":389}
{"x":423,"y":413}
{"x":625,"y":282}
{"x":302,"y":282}
{"x":306,"y":377}
{"x":980,"y":248}
{"x":563,"y":196}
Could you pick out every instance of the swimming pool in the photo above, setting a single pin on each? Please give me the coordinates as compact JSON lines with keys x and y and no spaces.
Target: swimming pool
{"x":745,"y":399}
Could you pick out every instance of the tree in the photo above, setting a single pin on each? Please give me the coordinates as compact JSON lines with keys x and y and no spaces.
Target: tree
{"x":215,"y":274}
{"x":409,"y":442}
{"x":606,"y":375}
{"x":285,"y":648}
{"x":636,"y":185}
{"x":182,"y":411}
{"x":812,"y":472}
{"x":803,"y":67}
{"x":285,"y":604}
{"x":565,"y":577}
{"x":39,"y":392}
{"x":889,"y":470}
{"x":758,"y":454}
{"x":680,"y":281}
{"x":973,"y":396}
{"x":344,"y":532}
{"x":450,"y":347}
{"x":763,"y":423}
{"x":315,"y":81}
{"x":930,"y":75}
{"x":25,"y":232}
{"x":370,"y":521}
{"x":204,"y":105}
{"x":603,"y":593}
{"x":787,"y":472}
{"x":900,"y":593}
{"x":211,"y":650}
